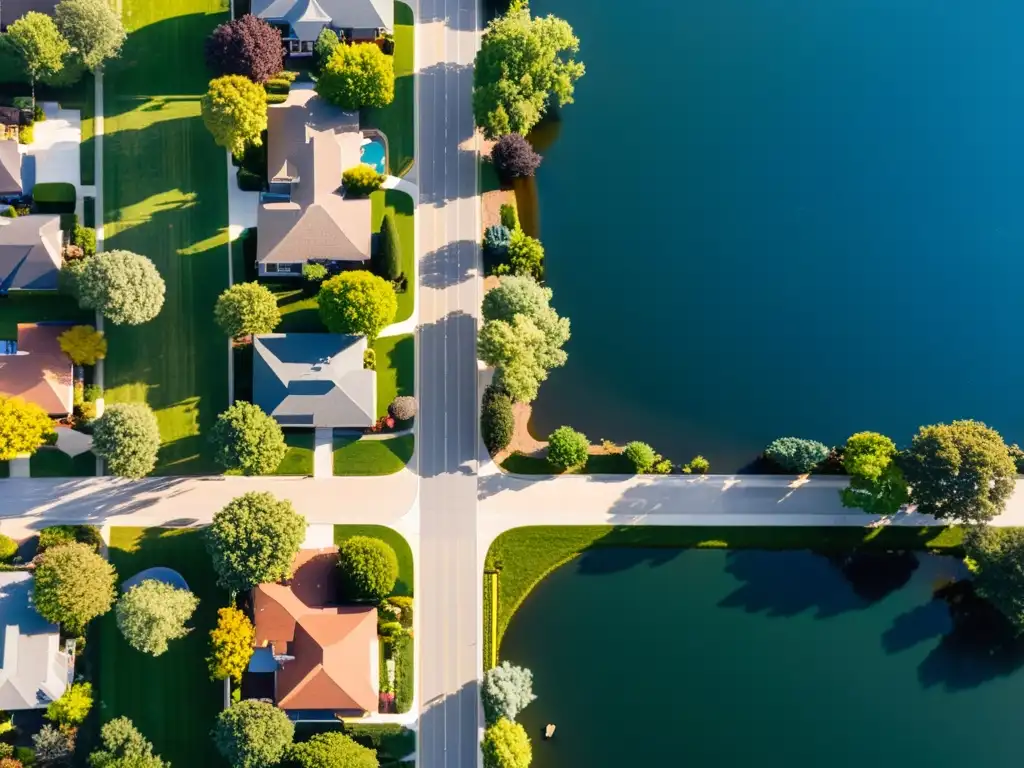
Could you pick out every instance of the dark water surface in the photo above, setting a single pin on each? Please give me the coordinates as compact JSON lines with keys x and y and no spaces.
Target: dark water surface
{"x":773,"y":217}
{"x":716,"y":659}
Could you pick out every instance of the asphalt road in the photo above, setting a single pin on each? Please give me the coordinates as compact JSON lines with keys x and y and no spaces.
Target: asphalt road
{"x":449,"y":300}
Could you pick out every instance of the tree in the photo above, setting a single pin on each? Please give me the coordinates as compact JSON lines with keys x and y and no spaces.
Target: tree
{"x":360,"y":180}
{"x":402,"y":408}
{"x":123,"y":286}
{"x":127,"y":437}
{"x":247,"y":46}
{"x":357,"y":302}
{"x":92,"y":29}
{"x":497,"y":420}
{"x":525,"y":256}
{"x":514,"y":157}
{"x":153,"y":613}
{"x":356,"y":76}
{"x":514,"y":349}
{"x":390,"y":248}
{"x":331,"y":750}
{"x":83,"y":344}
{"x":868,"y":454}
{"x":73,"y":585}
{"x":567,"y":448}
{"x":522,"y":295}
{"x":235,"y":112}
{"x":253,"y":734}
{"x":41,"y":45}
{"x":523,"y":63}
{"x":367,"y":568}
{"x":641,"y":456}
{"x":960,"y":471}
{"x":53,"y":746}
{"x":230,"y":645}
{"x":324,"y":46}
{"x":245,"y":309}
{"x":24,"y":426}
{"x":506,"y":691}
{"x":253,"y":540}
{"x":996,"y":558}
{"x":247,"y":439}
{"x":506,"y":745}
{"x":794,"y":454}
{"x":877,"y":484}
{"x":124,"y":747}
{"x":73,"y":705}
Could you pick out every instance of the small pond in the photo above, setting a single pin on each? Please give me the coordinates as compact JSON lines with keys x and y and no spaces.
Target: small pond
{"x":724,"y":659}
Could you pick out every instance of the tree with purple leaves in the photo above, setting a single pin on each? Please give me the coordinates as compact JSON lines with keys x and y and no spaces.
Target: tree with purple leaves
{"x":514,"y":158}
{"x":246,"y":46}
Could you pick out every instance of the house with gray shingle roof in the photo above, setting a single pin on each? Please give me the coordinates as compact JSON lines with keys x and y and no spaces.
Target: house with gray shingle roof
{"x":35,"y":670}
{"x":30,"y":252}
{"x":301,"y":21}
{"x":10,"y":167}
{"x":314,"y":380}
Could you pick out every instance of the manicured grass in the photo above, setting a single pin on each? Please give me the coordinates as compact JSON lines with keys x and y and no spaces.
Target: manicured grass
{"x":355,"y":457}
{"x":396,"y":120}
{"x":404,"y":585}
{"x":602,"y":464}
{"x":299,"y":459}
{"x":401,"y":207}
{"x":396,"y":370}
{"x":38,"y":306}
{"x":298,"y":307}
{"x":524,"y":556}
{"x":50,"y":462}
{"x":164,"y":196}
{"x":170,"y":698}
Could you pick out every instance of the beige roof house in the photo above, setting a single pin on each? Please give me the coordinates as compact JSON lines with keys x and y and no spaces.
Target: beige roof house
{"x":37,"y":370}
{"x":305,"y":215}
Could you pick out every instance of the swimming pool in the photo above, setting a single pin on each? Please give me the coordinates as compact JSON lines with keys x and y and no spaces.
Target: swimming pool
{"x":373,"y":154}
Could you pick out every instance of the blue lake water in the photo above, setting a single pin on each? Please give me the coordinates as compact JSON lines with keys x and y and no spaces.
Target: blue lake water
{"x":788,"y":217}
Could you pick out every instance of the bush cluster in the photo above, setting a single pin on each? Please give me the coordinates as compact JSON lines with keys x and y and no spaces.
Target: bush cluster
{"x":497,"y":420}
{"x":367,"y":569}
{"x":362,"y":179}
{"x":567,"y":448}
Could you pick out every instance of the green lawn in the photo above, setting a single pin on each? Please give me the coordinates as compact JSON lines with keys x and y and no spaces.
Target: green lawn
{"x":396,"y":121}
{"x":396,"y":369}
{"x":404,"y":585}
{"x":299,"y":459}
{"x":170,"y":698}
{"x":37,"y":306}
{"x":401,"y":207}
{"x":50,"y":462}
{"x":524,"y":556}
{"x":164,"y":185}
{"x":603,"y":464}
{"x":354,"y":457}
{"x":298,"y":307}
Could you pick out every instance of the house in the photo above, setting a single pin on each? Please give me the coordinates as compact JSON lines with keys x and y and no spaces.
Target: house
{"x":324,"y":657}
{"x":12,"y":10}
{"x":301,"y":21}
{"x":305,"y":215}
{"x":30,"y":249}
{"x":314,"y":380}
{"x":35,"y":670}
{"x":10,"y":165}
{"x":35,"y":368}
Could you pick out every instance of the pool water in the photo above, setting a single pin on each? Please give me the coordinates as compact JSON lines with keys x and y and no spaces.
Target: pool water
{"x":373,"y":154}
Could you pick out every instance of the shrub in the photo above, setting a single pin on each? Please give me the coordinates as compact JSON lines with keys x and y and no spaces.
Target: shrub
{"x":276,"y":98}
{"x":403,"y":408}
{"x":567,"y":448}
{"x":84,"y":238}
{"x":53,"y":746}
{"x":231,"y":645}
{"x":369,"y":360}
{"x":249,"y":181}
{"x":73,"y":585}
{"x":153,"y":613}
{"x":10,"y":212}
{"x":26,"y":134}
{"x":325,"y":44}
{"x":641,"y":456}
{"x":246,"y":46}
{"x":24,"y":426}
{"x":794,"y":454}
{"x":356,"y":76}
{"x":496,"y":241}
{"x":514,"y":158}
{"x":70,"y":274}
{"x":54,"y":192}
{"x":331,"y":750}
{"x":253,"y":540}
{"x":509,"y":217}
{"x":389,"y":264}
{"x":123,"y":746}
{"x":313,"y":272}
{"x":1017,"y":455}
{"x":405,"y":608}
{"x":73,"y":705}
{"x":277,"y":86}
{"x":506,"y":691}
{"x":253,"y":734}
{"x":246,"y":308}
{"x":234,"y":111}
{"x":497,"y":421}
{"x":362,"y":179}
{"x":248,"y":440}
{"x":506,"y":745}
{"x":127,"y":438}
{"x":83,"y":344}
{"x":56,"y":535}
{"x":357,"y":302}
{"x":8,"y":548}
{"x":698,"y":466}
{"x":123,"y":286}
{"x":367,"y":568}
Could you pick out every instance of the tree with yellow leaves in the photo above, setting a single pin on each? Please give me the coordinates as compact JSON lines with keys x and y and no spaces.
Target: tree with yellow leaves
{"x":83,"y":344}
{"x":231,"y":643}
{"x":24,"y":427}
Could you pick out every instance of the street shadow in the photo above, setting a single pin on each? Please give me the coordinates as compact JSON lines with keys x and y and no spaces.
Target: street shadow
{"x":448,"y":731}
{"x":82,"y":500}
{"x":449,"y":265}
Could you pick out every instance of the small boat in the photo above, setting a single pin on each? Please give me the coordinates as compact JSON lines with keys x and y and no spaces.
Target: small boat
{"x":549,"y":731}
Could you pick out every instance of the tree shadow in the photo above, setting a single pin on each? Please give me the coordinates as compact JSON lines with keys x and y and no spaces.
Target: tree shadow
{"x":874,"y":575}
{"x":603,"y":561}
{"x":922,"y":623}
{"x":451,"y":264}
{"x":446,"y":120}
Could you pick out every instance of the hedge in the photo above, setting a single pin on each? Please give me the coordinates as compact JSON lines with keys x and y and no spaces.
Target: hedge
{"x":277,"y":86}
{"x":404,"y":677}
{"x":249,"y":181}
{"x":277,"y":98}
{"x":54,"y":192}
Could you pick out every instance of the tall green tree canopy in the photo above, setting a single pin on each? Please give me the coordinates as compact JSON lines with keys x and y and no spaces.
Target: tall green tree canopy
{"x":367,"y":568}
{"x":331,"y":750}
{"x":356,"y":76}
{"x":127,"y":438}
{"x":357,"y":302}
{"x":514,"y":349}
{"x":522,"y":63}
{"x":41,"y":45}
{"x":93,"y":30}
{"x":253,"y":734}
{"x":24,"y":426}
{"x":254,"y":540}
{"x":73,"y":585}
{"x":153,"y":613}
{"x":877,"y":484}
{"x":124,"y":287}
{"x":996,"y":558}
{"x":234,"y":110}
{"x":247,"y":439}
{"x":124,"y":747}
{"x":245,"y":309}
{"x":960,"y":471}
{"x":523,"y":295}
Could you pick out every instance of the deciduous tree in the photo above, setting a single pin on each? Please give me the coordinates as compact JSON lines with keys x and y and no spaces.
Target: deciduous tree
{"x":245,"y":309}
{"x":153,"y":613}
{"x":523,"y":295}
{"x":247,"y":439}
{"x":92,"y":29}
{"x":512,"y":348}
{"x":124,"y":747}
{"x":996,"y":558}
{"x":324,"y":46}
{"x":506,"y":691}
{"x":506,"y":745}
{"x":123,"y":286}
{"x":356,"y":76}
{"x":246,"y":46}
{"x":357,"y":302}
{"x":525,"y":256}
{"x":367,"y":568}
{"x":83,"y":344}
{"x":127,"y":437}
{"x":868,"y":454}
{"x":253,"y":734}
{"x":72,"y":707}
{"x":72,"y":586}
{"x":24,"y":426}
{"x":235,"y":111}
{"x":877,"y":484}
{"x":514,"y":157}
{"x":41,"y":45}
{"x":331,"y":750}
{"x":567,"y":448}
{"x":230,"y":645}
{"x":641,"y":456}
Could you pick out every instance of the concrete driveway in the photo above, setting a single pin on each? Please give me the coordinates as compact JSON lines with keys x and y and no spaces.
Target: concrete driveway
{"x":57,"y":146}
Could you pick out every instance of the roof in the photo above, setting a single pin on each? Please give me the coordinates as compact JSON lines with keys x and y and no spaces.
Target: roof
{"x":314,"y":379}
{"x":10,"y":164}
{"x":40,"y":372}
{"x":34,"y":671}
{"x":334,"y":664}
{"x":345,"y":14}
{"x":30,"y":252}
{"x":309,"y":144}
{"x":12,"y":10}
